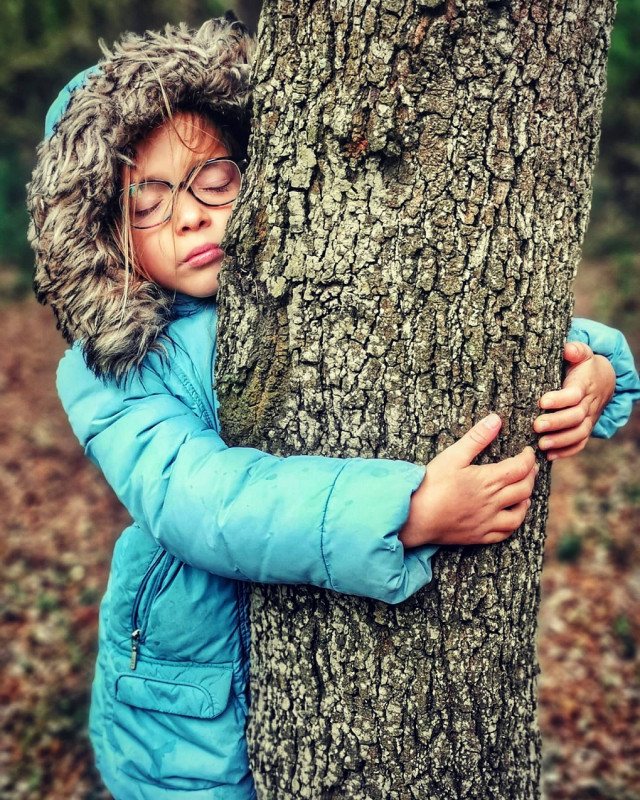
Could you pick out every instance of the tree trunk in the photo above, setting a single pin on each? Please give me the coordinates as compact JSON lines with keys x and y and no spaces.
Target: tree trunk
{"x":418,"y":193}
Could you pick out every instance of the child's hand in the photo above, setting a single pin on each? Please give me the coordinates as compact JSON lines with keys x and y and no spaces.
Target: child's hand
{"x":587,"y":388}
{"x":460,"y":503}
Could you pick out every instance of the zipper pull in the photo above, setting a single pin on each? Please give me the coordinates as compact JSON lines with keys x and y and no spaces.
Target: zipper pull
{"x":135,"y":643}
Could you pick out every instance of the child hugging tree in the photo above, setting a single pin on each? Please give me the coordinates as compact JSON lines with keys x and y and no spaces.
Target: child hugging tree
{"x":133,"y":188}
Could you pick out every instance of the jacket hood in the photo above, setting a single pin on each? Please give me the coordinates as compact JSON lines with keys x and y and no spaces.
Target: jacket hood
{"x":73,"y":195}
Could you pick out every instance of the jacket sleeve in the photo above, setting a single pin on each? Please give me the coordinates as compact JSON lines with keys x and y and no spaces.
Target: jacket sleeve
{"x":238,"y":512}
{"x":609,"y":342}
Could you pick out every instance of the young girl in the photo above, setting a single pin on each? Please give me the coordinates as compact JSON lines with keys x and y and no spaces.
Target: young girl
{"x":129,"y":202}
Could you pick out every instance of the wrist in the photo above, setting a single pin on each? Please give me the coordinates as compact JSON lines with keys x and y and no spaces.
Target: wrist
{"x":416,"y":530}
{"x":607,"y":378}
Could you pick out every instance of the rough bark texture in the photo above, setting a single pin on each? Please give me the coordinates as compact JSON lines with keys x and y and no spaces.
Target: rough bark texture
{"x":418,"y":193}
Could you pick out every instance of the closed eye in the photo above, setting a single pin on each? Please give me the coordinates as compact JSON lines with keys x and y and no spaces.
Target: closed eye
{"x":148,"y":197}
{"x":223,"y":187}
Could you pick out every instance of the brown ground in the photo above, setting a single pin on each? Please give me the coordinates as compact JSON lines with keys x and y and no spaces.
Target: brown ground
{"x":60,"y":522}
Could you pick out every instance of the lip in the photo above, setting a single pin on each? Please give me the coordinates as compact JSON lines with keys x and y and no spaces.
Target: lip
{"x":203,"y":255}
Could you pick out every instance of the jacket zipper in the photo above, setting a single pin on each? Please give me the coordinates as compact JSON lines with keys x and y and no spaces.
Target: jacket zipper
{"x":135,"y":636}
{"x":150,"y":584}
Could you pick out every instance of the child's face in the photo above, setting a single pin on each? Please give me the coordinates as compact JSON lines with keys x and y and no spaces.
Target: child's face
{"x":183,"y":253}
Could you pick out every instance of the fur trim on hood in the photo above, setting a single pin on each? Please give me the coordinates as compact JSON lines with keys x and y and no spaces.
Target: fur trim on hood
{"x":73,"y":194}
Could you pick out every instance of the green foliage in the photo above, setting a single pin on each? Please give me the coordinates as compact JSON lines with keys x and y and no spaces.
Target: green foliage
{"x":617,"y":181}
{"x":623,"y":630}
{"x":613,"y":238}
{"x":569,"y":547}
{"x":13,"y":214}
{"x":624,"y":56}
{"x":632,"y":493}
{"x":47,"y":602}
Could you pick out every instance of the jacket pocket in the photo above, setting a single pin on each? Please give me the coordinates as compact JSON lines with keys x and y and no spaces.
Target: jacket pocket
{"x":187,"y":690}
{"x":178,"y":726}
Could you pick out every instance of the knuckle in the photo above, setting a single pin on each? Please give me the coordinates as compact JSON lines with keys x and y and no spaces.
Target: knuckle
{"x":475,"y":435}
{"x":584,"y":429}
{"x":525,"y":467}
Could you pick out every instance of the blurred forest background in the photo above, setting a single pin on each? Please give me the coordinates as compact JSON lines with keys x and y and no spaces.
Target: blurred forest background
{"x":58,"y":520}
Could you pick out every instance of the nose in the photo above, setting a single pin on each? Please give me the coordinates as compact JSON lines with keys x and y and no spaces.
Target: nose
{"x":189,"y":214}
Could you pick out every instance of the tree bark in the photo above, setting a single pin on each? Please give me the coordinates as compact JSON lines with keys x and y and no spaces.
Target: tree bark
{"x":401,"y":264}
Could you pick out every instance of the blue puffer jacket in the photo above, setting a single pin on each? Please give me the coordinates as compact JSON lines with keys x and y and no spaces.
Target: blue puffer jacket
{"x":169,"y":699}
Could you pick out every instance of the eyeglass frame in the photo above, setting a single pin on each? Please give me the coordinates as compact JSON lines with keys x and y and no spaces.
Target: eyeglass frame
{"x":186,"y":184}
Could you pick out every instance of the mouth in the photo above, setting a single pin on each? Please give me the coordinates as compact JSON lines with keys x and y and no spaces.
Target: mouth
{"x":203,"y":255}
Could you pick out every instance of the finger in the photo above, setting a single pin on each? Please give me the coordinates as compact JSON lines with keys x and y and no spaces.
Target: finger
{"x":567,"y":438}
{"x":562,"y":398}
{"x":560,"y":420}
{"x":516,"y":493}
{"x":511,"y":519}
{"x":566,"y":452}
{"x":495,"y":537}
{"x":511,"y":470}
{"x":506,"y":523}
{"x":474,"y":440}
{"x":577,"y":352}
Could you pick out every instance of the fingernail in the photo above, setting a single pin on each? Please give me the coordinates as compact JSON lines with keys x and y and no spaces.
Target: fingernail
{"x":541,"y":425}
{"x":492,"y":422}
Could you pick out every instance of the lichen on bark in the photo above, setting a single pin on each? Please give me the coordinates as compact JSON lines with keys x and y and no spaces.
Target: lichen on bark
{"x":400,"y":263}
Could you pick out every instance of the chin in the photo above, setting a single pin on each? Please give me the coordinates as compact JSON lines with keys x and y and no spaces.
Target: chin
{"x":205,"y":287}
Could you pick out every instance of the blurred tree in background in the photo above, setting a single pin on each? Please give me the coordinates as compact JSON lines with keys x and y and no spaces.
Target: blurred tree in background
{"x":44,"y":43}
{"x":614,"y":235}
{"x":620,"y":154}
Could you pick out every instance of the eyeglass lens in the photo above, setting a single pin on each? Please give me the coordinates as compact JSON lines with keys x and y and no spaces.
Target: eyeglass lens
{"x":216,"y":183}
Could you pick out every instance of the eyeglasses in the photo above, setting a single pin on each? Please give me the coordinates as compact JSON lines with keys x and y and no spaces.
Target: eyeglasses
{"x":214,"y":183}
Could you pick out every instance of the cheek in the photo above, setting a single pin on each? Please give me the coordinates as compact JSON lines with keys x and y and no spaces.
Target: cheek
{"x":139,"y":241}
{"x":152,"y":248}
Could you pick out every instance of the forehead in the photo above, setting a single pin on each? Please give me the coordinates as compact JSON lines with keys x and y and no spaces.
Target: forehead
{"x":178,"y":144}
